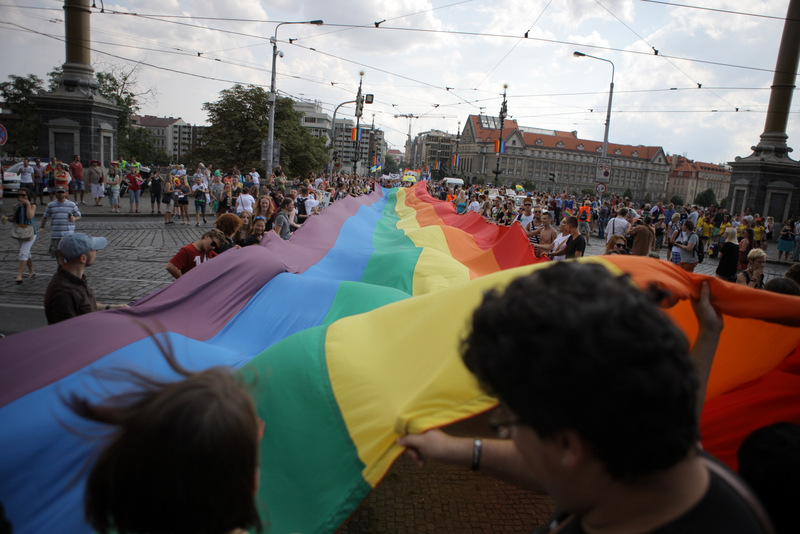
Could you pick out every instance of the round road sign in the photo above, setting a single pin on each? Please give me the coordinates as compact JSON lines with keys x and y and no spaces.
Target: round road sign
{"x":600,"y":188}
{"x":3,"y":135}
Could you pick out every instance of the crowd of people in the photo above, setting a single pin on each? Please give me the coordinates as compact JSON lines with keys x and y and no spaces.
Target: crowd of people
{"x":685,"y":235}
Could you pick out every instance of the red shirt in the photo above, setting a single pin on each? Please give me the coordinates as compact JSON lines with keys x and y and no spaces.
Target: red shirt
{"x":76,"y":170}
{"x":188,"y":258}
{"x":134,"y":181}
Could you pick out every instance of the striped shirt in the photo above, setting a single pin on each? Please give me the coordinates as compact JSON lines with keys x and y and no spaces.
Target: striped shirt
{"x":59,"y":212}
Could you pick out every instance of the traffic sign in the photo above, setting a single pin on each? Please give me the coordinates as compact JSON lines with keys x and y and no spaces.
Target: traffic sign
{"x":600,"y":188}
{"x":603,"y":171}
{"x":3,"y":135}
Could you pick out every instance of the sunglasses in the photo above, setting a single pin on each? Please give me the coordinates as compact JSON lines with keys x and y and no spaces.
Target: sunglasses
{"x":620,"y":245}
{"x":259,"y":218}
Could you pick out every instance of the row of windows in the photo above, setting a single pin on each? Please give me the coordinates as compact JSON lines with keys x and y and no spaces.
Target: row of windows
{"x":569,"y":156}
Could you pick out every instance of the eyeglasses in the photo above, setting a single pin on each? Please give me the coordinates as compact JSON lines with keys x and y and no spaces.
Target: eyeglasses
{"x":501,"y":423}
{"x":260,"y":218}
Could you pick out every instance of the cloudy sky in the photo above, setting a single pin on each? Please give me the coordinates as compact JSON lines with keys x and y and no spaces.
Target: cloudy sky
{"x":442,"y":60}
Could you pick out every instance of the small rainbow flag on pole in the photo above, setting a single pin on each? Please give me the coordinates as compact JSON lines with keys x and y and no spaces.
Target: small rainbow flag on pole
{"x":356,"y":134}
{"x":500,"y":147}
{"x":438,"y":165}
{"x":456,"y":160}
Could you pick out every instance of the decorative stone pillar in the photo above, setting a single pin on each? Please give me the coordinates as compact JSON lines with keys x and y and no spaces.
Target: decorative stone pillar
{"x":768,"y":180}
{"x":75,"y":118}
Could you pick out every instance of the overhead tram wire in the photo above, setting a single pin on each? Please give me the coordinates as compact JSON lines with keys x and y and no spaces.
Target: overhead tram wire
{"x":161,"y":18}
{"x":471,"y":103}
{"x":656,"y":51}
{"x":716,"y":10}
{"x":515,"y":45}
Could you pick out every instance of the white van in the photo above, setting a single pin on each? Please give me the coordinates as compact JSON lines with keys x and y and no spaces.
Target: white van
{"x":452,"y":182}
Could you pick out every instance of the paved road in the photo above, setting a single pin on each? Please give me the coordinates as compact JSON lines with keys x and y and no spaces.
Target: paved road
{"x":131,"y":267}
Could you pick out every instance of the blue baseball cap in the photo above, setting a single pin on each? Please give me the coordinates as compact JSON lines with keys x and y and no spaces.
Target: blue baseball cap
{"x":72,"y":246}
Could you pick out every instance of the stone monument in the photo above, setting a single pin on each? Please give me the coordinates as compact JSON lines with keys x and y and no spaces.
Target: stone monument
{"x":75,"y":118}
{"x":768,"y":180}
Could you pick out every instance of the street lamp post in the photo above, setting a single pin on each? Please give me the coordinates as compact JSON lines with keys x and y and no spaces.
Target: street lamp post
{"x":273,"y":94}
{"x":610,"y":96}
{"x":503,"y":112}
{"x":333,"y":137}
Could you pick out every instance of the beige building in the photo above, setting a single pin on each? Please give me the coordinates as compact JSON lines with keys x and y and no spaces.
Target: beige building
{"x":432,"y":147}
{"x":687,"y":178}
{"x":174,"y":136}
{"x":556,"y":160}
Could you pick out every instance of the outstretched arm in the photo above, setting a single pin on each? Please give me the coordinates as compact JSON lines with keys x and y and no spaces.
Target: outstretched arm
{"x":705,"y":346}
{"x":498,"y":457}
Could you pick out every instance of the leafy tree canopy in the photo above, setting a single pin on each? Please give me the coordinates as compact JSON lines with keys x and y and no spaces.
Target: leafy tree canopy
{"x":678,"y":201}
{"x":390,"y":165}
{"x":705,"y":198}
{"x":240,"y":121}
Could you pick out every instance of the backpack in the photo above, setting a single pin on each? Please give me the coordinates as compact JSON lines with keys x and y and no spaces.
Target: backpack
{"x":583,"y":216}
{"x":698,"y":248}
{"x":300,"y":206}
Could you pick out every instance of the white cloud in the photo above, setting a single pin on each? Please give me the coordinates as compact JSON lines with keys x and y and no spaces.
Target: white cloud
{"x":548,"y":88}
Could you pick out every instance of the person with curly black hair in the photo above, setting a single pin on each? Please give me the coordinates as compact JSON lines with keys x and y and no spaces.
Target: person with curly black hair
{"x":600,"y":402}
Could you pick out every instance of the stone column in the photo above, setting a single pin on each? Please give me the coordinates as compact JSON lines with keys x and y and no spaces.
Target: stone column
{"x":783,"y":83}
{"x":78,"y":71}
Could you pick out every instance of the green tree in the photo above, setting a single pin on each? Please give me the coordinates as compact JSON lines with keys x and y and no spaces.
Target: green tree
{"x":141,"y":143}
{"x":480,"y":180}
{"x":240,"y":120}
{"x":18,"y":95}
{"x":705,"y":198}
{"x":390,"y":165}
{"x":678,"y":201}
{"x":301,"y":152}
{"x":528,"y":185}
{"x":628,"y":193}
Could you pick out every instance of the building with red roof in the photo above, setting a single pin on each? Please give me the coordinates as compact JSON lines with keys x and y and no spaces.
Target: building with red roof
{"x":558,"y":160}
{"x":687,"y":178}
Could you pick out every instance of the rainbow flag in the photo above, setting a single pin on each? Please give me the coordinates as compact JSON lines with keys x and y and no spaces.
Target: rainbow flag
{"x":336,"y":379}
{"x":438,"y":165}
{"x":456,"y":160}
{"x":355,"y":134}
{"x":500,"y":147}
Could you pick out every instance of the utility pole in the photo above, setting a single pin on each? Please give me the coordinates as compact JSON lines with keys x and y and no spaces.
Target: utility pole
{"x":458,"y":139}
{"x":332,"y":135}
{"x":359,"y":111}
{"x":503,"y":112}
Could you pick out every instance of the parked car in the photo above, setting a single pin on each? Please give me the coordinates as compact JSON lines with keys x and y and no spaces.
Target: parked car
{"x":11,"y":177}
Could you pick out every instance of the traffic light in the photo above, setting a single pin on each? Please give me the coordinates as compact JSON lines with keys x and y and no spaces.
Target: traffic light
{"x":359,"y":105}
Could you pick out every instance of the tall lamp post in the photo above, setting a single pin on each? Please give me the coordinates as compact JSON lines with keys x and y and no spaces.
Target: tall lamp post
{"x":273,"y":94}
{"x":503,"y":113}
{"x":610,"y":96}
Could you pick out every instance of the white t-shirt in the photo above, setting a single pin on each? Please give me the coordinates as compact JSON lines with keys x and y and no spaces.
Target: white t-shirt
{"x":311,"y":203}
{"x":557,"y":243}
{"x":474,"y":206}
{"x":245,"y":202}
{"x":26,"y":174}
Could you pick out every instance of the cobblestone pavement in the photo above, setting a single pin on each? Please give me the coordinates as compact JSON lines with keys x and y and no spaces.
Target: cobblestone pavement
{"x":438,"y":498}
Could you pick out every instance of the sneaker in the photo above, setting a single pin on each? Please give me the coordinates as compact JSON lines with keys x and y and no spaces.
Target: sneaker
{"x":82,"y":202}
